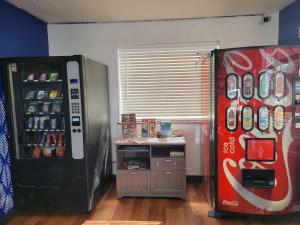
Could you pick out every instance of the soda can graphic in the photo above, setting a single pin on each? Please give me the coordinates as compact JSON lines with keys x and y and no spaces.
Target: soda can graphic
{"x":264,"y":85}
{"x":263,"y":118}
{"x":247,"y":118}
{"x":247,"y":86}
{"x":278,"y":117}
{"x":231,"y":86}
{"x":231,"y":118}
{"x":279,"y":85}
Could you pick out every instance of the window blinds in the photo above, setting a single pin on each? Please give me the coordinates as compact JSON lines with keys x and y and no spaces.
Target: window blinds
{"x":165,"y":83}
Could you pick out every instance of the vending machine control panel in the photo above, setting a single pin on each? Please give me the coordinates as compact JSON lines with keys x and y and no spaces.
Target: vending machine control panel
{"x":73,"y":74}
{"x":296,"y":102}
{"x":74,"y":93}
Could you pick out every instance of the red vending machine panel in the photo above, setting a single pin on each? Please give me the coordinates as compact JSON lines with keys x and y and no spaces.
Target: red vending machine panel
{"x":257,"y":131}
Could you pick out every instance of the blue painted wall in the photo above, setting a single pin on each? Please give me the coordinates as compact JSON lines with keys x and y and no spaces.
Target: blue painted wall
{"x":21,"y":34}
{"x":289,"y":23}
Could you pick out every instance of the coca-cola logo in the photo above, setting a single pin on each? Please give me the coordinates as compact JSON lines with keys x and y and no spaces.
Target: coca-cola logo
{"x":230,"y":203}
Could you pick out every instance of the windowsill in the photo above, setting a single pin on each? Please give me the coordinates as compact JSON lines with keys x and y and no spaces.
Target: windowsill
{"x":175,"y":121}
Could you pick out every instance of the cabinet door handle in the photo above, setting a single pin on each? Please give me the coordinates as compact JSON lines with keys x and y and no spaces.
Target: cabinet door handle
{"x":168,"y":160}
{"x":168,"y":173}
{"x":133,"y":173}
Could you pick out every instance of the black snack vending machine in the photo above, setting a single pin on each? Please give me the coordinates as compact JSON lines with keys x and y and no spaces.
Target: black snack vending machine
{"x":58,"y":120}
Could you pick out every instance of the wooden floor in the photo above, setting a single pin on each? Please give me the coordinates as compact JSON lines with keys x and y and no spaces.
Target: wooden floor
{"x":193,"y":211}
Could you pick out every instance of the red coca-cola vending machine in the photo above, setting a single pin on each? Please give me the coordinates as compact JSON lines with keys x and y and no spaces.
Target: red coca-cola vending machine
{"x":251,"y":143}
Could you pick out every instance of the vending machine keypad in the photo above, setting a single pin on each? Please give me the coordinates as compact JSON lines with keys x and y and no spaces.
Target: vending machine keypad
{"x":73,"y":74}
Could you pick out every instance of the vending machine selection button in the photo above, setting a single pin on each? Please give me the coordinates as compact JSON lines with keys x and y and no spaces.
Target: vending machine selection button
{"x":74,"y":93}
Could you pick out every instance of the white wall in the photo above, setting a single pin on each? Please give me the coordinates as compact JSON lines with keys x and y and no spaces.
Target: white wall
{"x":101,"y":41}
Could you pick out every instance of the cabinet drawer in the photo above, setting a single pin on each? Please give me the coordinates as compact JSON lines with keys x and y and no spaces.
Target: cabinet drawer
{"x":133,"y":182}
{"x":168,"y":181}
{"x":167,"y":164}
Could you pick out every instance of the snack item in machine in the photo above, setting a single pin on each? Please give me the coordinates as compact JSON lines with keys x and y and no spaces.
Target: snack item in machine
{"x":36,"y":153}
{"x":56,"y":106}
{"x":53,"y":76}
{"x":60,"y":151}
{"x":30,"y":95}
{"x":43,"y":76}
{"x":53,"y":94}
{"x":30,"y":122}
{"x":41,"y":94}
{"x":46,"y":106}
{"x":32,"y":108}
{"x":30,"y":76}
{"x":47,"y":152}
{"x":53,"y":123}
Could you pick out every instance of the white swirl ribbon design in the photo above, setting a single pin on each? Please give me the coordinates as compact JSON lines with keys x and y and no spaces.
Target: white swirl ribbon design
{"x":288,"y":67}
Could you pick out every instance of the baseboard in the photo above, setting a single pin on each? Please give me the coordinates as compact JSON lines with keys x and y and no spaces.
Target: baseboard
{"x":189,"y":178}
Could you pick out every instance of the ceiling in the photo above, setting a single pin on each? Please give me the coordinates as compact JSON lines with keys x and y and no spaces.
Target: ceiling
{"x":74,"y":11}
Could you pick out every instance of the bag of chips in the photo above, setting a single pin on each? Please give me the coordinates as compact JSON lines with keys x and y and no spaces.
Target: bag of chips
{"x":60,"y":152}
{"x":53,"y":94}
{"x":43,"y":76}
{"x":30,"y":76}
{"x":36,"y":153}
{"x":47,"y":151}
{"x":43,"y":139}
{"x":46,"y":106}
{"x":41,"y":94}
{"x":53,"y":76}
{"x":32,"y":107}
{"x":30,"y":95}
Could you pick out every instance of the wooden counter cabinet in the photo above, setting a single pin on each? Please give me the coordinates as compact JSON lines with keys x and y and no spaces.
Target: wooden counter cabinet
{"x":151,"y":169}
